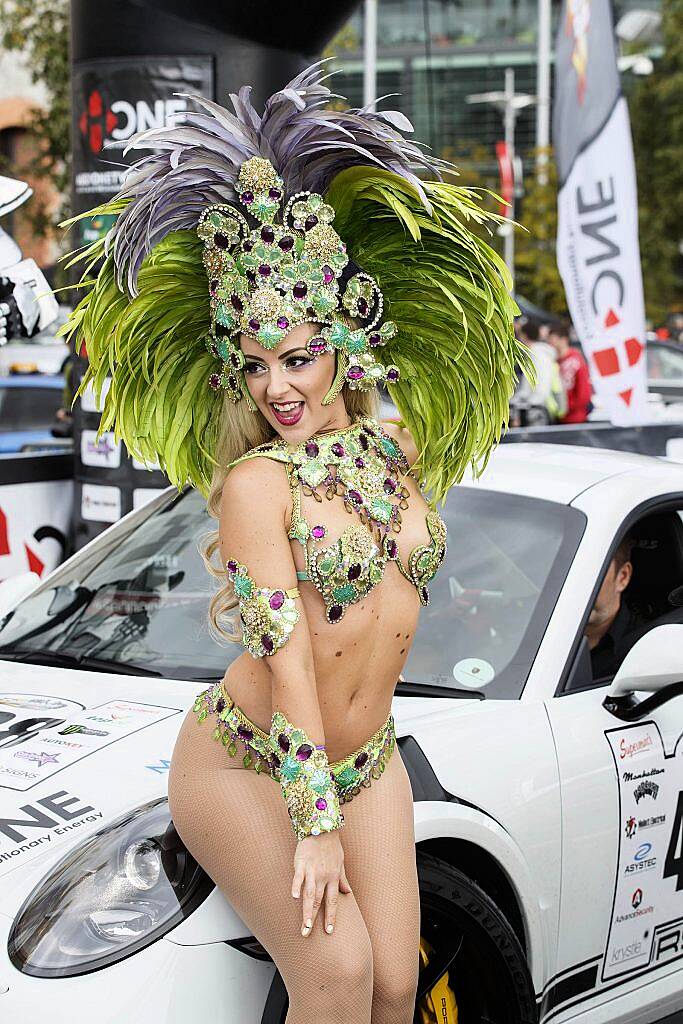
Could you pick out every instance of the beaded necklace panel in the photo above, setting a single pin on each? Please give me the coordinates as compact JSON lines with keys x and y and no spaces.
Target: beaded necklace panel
{"x":363,"y":466}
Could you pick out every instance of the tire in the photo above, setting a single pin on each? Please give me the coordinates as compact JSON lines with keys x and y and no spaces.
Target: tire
{"x":473,"y":940}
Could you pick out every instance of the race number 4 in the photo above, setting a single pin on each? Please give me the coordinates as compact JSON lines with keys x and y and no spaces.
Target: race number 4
{"x":673,"y":864}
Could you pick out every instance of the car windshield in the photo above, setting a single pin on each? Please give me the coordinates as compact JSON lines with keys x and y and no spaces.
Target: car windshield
{"x":138,"y":598}
{"x":31,"y":408}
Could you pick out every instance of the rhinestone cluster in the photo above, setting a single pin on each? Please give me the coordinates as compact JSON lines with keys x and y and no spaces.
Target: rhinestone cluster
{"x":304,"y":776}
{"x":266,"y":280}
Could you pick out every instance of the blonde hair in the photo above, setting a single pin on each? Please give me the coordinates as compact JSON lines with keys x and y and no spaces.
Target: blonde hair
{"x":241,"y":430}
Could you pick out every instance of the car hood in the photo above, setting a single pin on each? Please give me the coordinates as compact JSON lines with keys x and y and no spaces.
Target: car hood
{"x":79,"y":748}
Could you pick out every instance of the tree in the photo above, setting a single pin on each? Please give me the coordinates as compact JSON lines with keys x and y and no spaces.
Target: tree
{"x":536,"y":273}
{"x":656,"y":108}
{"x":39,"y":30}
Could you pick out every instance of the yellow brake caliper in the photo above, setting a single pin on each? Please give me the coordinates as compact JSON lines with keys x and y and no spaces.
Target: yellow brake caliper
{"x":439,"y":1005}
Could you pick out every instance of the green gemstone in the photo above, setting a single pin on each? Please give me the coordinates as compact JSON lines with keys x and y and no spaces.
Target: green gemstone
{"x":342,"y":595}
{"x":203,"y":714}
{"x":356,"y":342}
{"x":224,"y":317}
{"x":232,"y":749}
{"x":389,"y":447}
{"x":258,"y":767}
{"x":216,"y":733}
{"x":225,"y":739}
{"x":269,"y":336}
{"x":313,"y":472}
{"x":247,"y":759}
{"x":376,"y":571}
{"x":423,"y":561}
{"x":338,"y":334}
{"x":347,"y":776}
{"x":380,"y":509}
{"x":326,"y":565}
{"x":290,"y":769}
{"x":243,"y":587}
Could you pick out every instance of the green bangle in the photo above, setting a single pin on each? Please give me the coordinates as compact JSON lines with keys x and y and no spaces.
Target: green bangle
{"x":305,"y":779}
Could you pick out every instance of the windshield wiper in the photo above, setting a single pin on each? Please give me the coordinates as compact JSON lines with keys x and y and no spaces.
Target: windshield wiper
{"x":405,"y":688}
{"x":60,"y":659}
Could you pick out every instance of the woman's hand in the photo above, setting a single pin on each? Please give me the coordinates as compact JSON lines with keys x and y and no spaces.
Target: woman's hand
{"x":319,"y":872}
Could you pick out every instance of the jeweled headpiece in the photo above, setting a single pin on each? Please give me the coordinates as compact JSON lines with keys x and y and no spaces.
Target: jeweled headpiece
{"x":285,"y":271}
{"x":299,"y":214}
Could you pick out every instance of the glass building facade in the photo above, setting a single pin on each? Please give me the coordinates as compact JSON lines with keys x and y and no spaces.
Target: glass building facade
{"x":434,"y":53}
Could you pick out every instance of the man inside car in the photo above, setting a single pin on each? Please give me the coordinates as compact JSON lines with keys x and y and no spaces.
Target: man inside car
{"x":613,"y":625}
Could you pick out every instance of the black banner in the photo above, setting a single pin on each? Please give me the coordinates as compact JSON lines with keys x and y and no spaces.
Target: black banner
{"x":114,"y":99}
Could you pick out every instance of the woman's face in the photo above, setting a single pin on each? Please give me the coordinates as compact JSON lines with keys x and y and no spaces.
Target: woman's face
{"x":288,"y":385}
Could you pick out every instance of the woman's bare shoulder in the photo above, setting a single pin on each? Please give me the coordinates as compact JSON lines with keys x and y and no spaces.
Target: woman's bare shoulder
{"x":257,"y":487}
{"x":402,"y":435}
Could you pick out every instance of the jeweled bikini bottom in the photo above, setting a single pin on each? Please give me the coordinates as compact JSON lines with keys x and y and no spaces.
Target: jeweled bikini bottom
{"x":231,"y":724}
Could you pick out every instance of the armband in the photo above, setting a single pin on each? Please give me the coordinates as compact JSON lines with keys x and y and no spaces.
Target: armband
{"x":305,"y":778}
{"x":267,"y":616}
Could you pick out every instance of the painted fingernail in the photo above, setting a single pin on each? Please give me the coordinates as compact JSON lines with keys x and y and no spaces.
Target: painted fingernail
{"x":329,"y":929}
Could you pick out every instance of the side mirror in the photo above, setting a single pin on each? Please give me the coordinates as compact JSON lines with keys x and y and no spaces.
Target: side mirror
{"x":15,"y":589}
{"x":654,"y":662}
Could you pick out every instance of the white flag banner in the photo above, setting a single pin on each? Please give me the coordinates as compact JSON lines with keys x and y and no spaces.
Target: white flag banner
{"x":597,"y":239}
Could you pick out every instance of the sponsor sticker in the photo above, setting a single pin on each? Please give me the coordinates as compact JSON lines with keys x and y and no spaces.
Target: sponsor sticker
{"x":103,"y":451}
{"x":100,"y":504}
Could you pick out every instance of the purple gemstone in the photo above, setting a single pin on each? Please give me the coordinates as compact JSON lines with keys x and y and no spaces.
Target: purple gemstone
{"x":247,"y":198}
{"x":338,"y":449}
{"x":268,"y":644}
{"x":356,"y":373}
{"x":362,"y":307}
{"x":316,"y":345}
{"x":274,"y":193}
{"x":425,"y":594}
{"x":354,"y":572}
{"x":235,"y":360}
{"x":299,"y":290}
{"x":267,"y":233}
{"x":318,"y":532}
{"x":389,"y":486}
{"x":236,"y":303}
{"x":245,"y":733}
{"x":310,"y":221}
{"x":304,"y":752}
{"x":221,"y":240}
{"x":276,"y":600}
{"x":254,"y":325}
{"x":286,"y":243}
{"x":214,"y":350}
{"x":213,"y":285}
{"x":251,"y":277}
{"x":360,"y":463}
{"x":247,"y":246}
{"x":232,"y":566}
{"x":220,"y":705}
{"x":392,"y":548}
{"x":335,"y":613}
{"x":214,"y":381}
{"x":274,"y":759}
{"x":283,"y":323}
{"x":361,"y":759}
{"x":321,"y":803}
{"x":392,"y":374}
{"x":355,"y":497}
{"x":283,"y":742}
{"x":374,"y":340}
{"x":312,"y":449}
{"x":363,"y":441}
{"x":328,"y":274}
{"x":264,"y":270}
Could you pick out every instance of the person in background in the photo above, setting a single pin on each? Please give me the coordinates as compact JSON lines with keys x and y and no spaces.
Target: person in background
{"x":548,"y":395}
{"x":612,"y":626}
{"x":574,"y":374}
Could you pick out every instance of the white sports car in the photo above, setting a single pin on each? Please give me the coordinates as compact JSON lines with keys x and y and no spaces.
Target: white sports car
{"x":548,"y":804}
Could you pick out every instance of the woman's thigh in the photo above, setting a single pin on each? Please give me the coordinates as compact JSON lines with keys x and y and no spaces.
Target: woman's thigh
{"x":379,"y":857}
{"x":235,"y":824}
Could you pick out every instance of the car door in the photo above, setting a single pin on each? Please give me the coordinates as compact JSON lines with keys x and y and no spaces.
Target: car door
{"x":621,"y":915}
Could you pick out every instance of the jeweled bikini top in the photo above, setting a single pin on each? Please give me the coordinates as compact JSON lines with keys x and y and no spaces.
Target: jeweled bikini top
{"x":364,"y":466}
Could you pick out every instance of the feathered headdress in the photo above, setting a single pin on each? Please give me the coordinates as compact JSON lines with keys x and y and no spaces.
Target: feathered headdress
{"x":250,"y":199}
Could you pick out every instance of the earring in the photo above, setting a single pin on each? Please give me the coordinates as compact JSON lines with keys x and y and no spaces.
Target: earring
{"x":339,"y":377}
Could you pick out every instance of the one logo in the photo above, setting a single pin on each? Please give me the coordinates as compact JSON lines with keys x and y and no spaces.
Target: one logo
{"x":647,"y":788}
{"x":40,"y":759}
{"x":631,"y":827}
{"x":637,"y":898}
{"x":96,"y":122}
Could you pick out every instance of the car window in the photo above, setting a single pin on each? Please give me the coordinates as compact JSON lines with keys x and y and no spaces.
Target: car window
{"x":28,"y":408}
{"x":664,"y":363}
{"x":141,"y":599}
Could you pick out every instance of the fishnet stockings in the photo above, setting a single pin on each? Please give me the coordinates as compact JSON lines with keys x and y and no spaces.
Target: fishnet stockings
{"x":235,"y":823}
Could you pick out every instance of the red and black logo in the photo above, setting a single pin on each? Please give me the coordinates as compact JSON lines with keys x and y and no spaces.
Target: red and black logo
{"x":96,"y":122}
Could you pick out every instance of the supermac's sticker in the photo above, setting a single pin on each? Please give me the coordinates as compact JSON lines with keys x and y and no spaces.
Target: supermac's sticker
{"x":647,"y":913}
{"x":37,"y":744}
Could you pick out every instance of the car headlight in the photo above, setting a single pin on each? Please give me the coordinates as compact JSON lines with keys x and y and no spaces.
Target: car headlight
{"x":119,"y":891}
